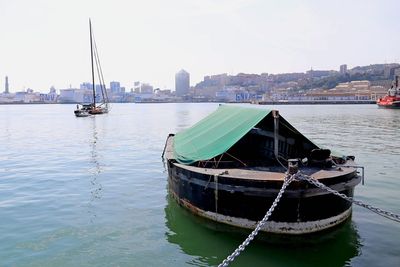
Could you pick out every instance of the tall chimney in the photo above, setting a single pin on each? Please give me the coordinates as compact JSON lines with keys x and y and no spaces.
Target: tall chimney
{"x":7,"y":86}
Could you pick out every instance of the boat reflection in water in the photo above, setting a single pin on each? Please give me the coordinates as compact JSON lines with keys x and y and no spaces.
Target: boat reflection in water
{"x":95,"y":171}
{"x":210,"y":242}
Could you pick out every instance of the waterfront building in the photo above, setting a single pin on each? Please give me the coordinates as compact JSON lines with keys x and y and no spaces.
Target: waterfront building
{"x":74,"y":95}
{"x":162,"y":95}
{"x":354,"y":90}
{"x":50,"y":97}
{"x":208,"y":92}
{"x":225,"y":96}
{"x":28,"y":96}
{"x":237,"y":94}
{"x":143,"y":97}
{"x":136,"y":87}
{"x":86,"y":86}
{"x":7,"y":98}
{"x":182,"y":83}
{"x":146,"y":88}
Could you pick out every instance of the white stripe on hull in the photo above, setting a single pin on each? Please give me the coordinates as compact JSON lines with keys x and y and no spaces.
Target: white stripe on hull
{"x":294,"y":228}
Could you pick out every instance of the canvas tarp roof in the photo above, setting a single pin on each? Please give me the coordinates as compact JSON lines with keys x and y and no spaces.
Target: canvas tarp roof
{"x":216,"y":133}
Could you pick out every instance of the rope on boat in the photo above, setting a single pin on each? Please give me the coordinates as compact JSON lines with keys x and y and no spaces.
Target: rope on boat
{"x":288,"y":179}
{"x":387,"y":214}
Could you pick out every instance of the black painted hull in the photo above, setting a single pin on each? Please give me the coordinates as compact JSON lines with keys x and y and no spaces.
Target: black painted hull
{"x":244,"y":202}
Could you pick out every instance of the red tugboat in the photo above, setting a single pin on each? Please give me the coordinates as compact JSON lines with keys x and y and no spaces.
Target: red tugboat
{"x":392,"y":99}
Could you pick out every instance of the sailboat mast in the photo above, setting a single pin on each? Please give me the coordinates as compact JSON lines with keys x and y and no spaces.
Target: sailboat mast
{"x":91,"y":58}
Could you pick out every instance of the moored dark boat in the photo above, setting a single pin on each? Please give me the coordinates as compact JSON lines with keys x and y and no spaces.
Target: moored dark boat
{"x":229,"y":167}
{"x":392,"y":99}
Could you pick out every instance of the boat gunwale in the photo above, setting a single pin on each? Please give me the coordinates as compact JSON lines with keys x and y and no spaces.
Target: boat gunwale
{"x":248,"y":174}
{"x":266,"y":187}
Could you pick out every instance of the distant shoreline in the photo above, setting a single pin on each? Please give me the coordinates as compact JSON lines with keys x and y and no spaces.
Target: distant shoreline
{"x":317,"y":102}
{"x":305,"y":102}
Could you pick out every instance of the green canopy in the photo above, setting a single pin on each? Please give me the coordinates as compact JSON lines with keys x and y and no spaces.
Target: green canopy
{"x":216,"y":133}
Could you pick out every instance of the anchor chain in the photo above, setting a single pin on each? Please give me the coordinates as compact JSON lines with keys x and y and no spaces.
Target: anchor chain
{"x":288,"y":179}
{"x":387,"y":214}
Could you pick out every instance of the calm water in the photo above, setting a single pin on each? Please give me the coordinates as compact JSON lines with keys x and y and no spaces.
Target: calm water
{"x":93,"y":191}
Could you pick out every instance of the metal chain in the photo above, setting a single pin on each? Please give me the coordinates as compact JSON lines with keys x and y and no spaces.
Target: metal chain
{"x":387,"y":214}
{"x":246,"y":242}
{"x":288,"y":180}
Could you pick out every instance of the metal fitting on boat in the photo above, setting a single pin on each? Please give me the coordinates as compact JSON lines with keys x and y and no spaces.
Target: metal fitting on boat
{"x":293,"y":166}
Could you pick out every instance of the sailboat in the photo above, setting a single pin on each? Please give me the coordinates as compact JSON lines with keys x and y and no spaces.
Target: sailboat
{"x":93,"y":108}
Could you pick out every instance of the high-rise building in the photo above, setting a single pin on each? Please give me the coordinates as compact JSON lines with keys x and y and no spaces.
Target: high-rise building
{"x":115,"y":87}
{"x":7,"y":89}
{"x":182,"y":83}
{"x":86,"y":86}
{"x":146,"y":88}
{"x":343,"y":69}
{"x":136,"y":87}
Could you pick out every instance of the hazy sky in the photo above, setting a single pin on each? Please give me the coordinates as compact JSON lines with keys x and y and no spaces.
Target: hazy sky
{"x":46,"y":42}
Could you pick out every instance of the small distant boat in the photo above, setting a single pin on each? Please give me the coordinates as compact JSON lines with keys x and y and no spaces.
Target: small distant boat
{"x":392,"y":99}
{"x":229,"y":168}
{"x":84,"y":110}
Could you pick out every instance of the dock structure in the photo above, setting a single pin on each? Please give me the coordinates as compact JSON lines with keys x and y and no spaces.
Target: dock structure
{"x":316,"y":102}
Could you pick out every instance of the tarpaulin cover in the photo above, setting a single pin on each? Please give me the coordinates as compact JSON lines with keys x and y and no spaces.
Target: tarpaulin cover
{"x":216,"y":133}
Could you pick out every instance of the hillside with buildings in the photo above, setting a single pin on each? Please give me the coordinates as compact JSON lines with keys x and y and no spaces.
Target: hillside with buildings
{"x":358,"y":83}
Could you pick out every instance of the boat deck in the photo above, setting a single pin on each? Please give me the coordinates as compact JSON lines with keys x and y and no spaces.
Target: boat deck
{"x":252,"y":174}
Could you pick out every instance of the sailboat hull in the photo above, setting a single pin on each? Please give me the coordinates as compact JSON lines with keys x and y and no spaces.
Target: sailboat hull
{"x":98,"y":111}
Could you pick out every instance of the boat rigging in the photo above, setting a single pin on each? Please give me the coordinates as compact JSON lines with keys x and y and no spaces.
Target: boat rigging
{"x":84,"y":110}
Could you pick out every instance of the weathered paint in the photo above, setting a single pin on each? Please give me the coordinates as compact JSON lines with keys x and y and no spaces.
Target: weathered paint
{"x":303,"y":209}
{"x":241,"y":197}
{"x":295,"y":228}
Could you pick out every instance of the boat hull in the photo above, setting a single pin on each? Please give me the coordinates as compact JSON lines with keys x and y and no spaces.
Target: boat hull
{"x":389,"y":102}
{"x":394,"y":105}
{"x":87,"y":111}
{"x":98,"y":111}
{"x":243,"y":202}
{"x":81,"y":113}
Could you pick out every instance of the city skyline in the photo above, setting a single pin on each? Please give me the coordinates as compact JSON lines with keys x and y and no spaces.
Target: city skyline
{"x":46,"y":43}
